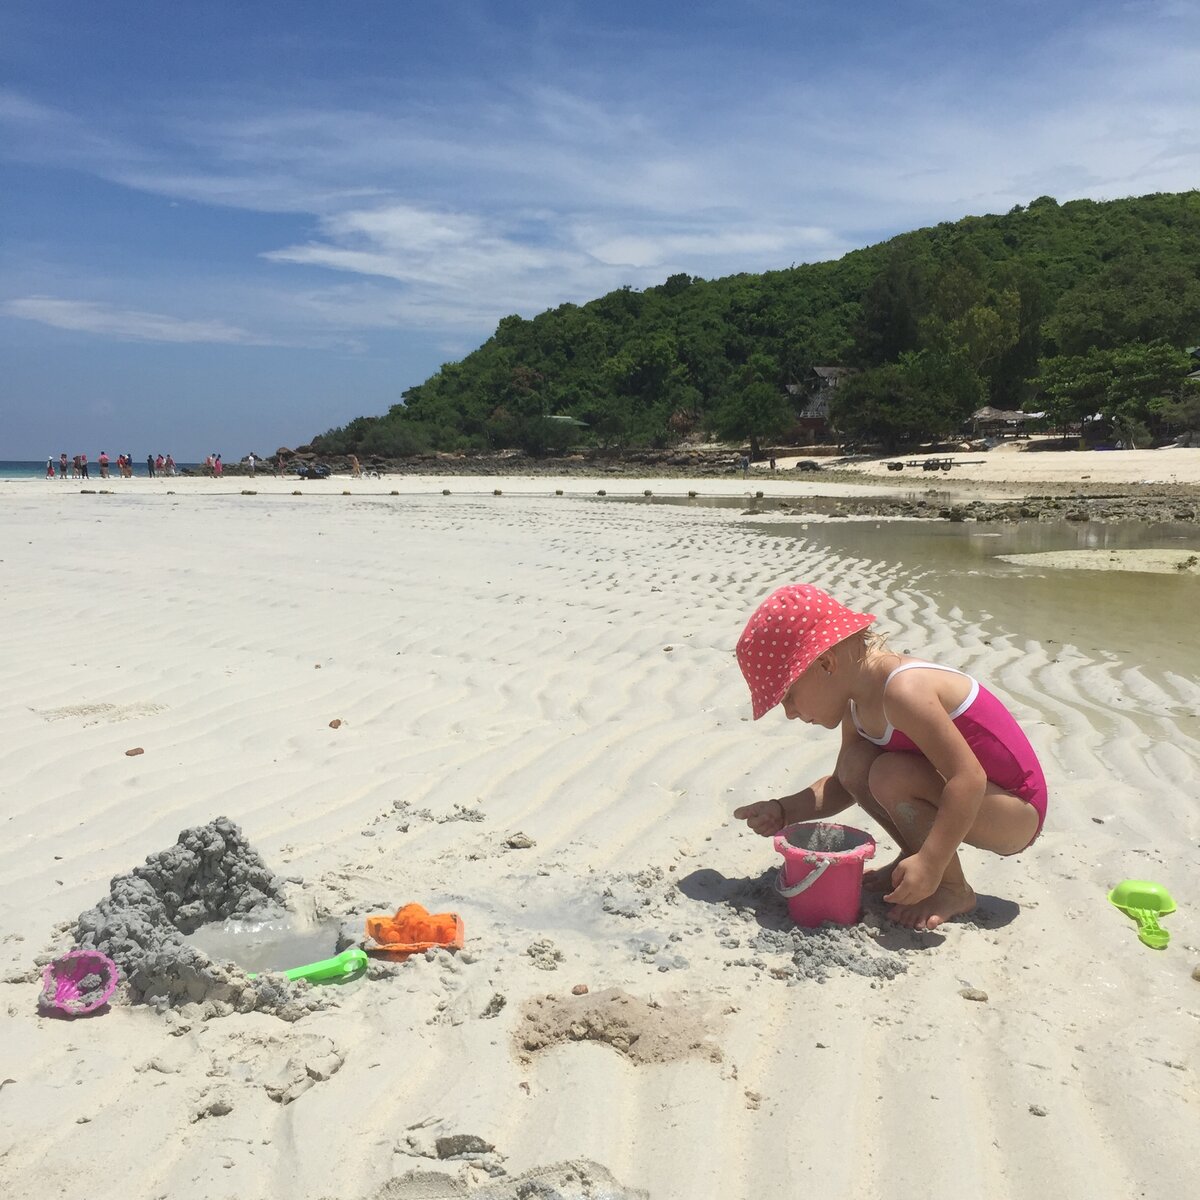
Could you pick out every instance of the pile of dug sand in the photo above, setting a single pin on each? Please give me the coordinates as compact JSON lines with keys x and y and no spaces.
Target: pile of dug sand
{"x":210,"y":874}
{"x":641,"y":1030}
{"x":575,"y":1180}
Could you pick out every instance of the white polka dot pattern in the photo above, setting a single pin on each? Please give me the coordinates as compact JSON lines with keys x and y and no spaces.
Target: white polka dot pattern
{"x":785,"y":634}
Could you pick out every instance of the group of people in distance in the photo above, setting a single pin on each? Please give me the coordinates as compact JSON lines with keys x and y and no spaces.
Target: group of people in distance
{"x":78,"y":465}
{"x":213,"y":466}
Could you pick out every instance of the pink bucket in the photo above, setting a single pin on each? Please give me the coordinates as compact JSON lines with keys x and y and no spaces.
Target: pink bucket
{"x":822,"y":872}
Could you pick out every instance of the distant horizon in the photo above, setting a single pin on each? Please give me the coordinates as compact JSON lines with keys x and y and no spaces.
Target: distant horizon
{"x":244,"y":227}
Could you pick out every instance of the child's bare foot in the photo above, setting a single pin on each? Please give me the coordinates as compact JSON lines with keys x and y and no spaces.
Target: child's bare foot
{"x":950,"y":900}
{"x":879,"y":879}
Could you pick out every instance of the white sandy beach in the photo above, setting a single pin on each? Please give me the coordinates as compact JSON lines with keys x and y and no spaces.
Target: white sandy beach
{"x":1016,"y":462}
{"x":563,"y":667}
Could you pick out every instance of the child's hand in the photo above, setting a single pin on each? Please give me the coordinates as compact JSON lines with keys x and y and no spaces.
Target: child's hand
{"x":913,"y":879}
{"x":765,"y":817}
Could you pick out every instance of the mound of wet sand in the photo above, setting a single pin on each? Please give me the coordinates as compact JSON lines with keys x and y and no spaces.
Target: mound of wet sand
{"x":210,"y":874}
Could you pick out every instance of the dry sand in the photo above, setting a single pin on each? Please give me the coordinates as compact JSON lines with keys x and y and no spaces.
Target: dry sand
{"x":1153,"y":562}
{"x":1024,"y":463}
{"x":562,"y":668}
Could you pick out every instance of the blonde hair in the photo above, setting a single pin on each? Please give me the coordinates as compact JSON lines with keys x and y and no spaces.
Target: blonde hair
{"x":865,"y":645}
{"x":875,"y":642}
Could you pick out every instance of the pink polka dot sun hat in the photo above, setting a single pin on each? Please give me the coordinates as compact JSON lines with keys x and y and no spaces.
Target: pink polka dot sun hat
{"x":784,"y":637}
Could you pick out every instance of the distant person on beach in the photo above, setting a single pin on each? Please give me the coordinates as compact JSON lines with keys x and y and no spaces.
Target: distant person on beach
{"x":355,"y":468}
{"x":250,"y":462}
{"x":150,"y":465}
{"x":103,"y":465}
{"x":159,"y":465}
{"x":217,"y":466}
{"x":926,"y":750}
{"x":49,"y":467}
{"x":170,"y":464}
{"x":75,"y":467}
{"x":62,"y":465}
{"x":83,"y":467}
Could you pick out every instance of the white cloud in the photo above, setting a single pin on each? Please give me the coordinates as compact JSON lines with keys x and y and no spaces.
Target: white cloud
{"x":125,"y":324}
{"x":481,"y":197}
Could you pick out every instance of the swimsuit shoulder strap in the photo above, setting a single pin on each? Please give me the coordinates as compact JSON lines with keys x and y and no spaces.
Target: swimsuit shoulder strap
{"x":972,"y":692}
{"x":924,"y":666}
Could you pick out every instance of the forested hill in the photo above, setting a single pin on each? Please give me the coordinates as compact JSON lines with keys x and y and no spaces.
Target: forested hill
{"x":1050,"y":301}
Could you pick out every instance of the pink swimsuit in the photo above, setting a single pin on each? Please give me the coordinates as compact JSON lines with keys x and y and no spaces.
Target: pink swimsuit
{"x":993,"y":734}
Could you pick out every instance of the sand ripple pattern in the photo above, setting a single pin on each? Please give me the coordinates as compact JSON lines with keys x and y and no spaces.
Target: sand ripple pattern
{"x":564,"y":668}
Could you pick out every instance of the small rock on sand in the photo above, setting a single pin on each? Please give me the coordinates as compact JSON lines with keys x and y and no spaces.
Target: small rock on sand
{"x":520,"y":841}
{"x":1037,"y":1110}
{"x":134,"y":752}
{"x":336,"y":723}
{"x":215,"y":1106}
{"x":461,"y":1143}
{"x":1196,"y":972}
{"x":580,"y":989}
{"x":970,"y":993}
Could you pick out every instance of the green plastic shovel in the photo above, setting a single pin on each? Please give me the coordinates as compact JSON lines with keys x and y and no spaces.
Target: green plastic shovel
{"x":1145,"y":902}
{"x":331,"y":970}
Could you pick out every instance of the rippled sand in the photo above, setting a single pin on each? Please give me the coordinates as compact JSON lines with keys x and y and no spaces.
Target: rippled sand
{"x":563,"y":668}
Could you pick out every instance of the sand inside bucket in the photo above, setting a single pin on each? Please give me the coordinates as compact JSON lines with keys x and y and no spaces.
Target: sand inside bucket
{"x":825,"y":839}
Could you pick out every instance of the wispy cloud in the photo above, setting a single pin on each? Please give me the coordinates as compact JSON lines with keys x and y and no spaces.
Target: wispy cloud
{"x":125,"y":324}
{"x":449,"y":204}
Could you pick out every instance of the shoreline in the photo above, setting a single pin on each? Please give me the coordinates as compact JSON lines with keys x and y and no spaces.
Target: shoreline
{"x":1016,"y":490}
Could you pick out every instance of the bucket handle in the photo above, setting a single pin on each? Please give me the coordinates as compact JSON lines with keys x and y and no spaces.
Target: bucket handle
{"x":796,"y":888}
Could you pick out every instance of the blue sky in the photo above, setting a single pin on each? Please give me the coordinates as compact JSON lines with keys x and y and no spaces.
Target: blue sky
{"x":232,"y":226}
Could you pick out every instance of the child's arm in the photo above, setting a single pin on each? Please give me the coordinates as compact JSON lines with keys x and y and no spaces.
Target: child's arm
{"x":917,"y":710}
{"x":823,"y":798}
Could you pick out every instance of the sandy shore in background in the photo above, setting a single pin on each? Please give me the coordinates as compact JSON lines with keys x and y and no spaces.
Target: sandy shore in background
{"x":563,"y":669}
{"x":1012,"y":466}
{"x":1017,"y":464}
{"x":1154,"y":562}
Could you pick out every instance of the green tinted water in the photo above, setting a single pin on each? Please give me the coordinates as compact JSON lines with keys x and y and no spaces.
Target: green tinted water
{"x":1146,"y":619}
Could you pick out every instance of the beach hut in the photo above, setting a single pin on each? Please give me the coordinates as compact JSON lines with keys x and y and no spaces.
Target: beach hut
{"x":811,"y":397}
{"x":1002,"y":422}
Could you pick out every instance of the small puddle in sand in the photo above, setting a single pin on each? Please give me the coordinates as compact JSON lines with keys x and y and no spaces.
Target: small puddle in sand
{"x":275,"y":943}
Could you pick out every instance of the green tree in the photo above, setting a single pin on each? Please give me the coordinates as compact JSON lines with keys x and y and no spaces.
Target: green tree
{"x":921,"y":398}
{"x":1179,"y":413}
{"x":1074,"y":386}
{"x":1138,"y":298}
{"x":1014,"y":303}
{"x":1141,"y":374}
{"x":894,"y":305}
{"x":755,"y":406}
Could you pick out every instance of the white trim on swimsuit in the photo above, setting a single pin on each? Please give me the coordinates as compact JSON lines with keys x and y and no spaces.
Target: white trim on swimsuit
{"x":887,"y":733}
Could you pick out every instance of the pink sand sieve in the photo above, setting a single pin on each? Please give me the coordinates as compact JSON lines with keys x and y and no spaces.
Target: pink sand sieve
{"x":79,"y":982}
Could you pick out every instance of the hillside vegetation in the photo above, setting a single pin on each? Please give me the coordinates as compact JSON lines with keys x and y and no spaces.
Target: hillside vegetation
{"x":1076,"y":308}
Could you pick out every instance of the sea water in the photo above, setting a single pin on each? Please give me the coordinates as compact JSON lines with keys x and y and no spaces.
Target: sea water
{"x":1137,"y":618}
{"x":276,"y":943}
